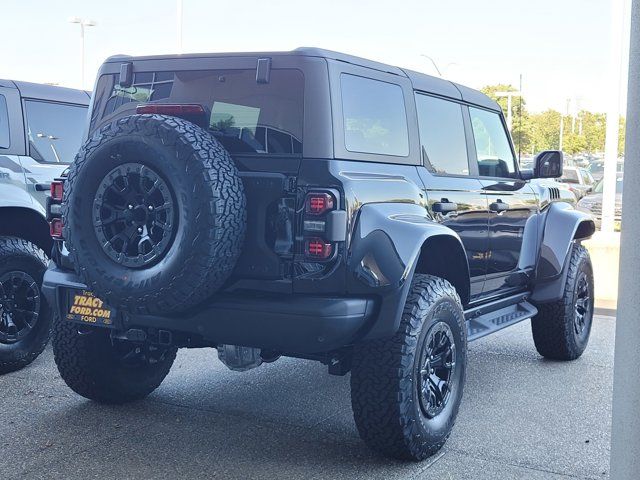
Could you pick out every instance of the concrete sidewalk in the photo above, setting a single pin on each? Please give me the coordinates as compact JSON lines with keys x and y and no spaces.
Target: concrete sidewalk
{"x":522,"y":418}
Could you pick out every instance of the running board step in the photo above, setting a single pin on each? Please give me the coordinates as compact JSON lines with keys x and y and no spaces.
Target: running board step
{"x":480,"y":324}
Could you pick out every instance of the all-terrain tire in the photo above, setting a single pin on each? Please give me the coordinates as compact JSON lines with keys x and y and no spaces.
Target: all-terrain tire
{"x":105,"y":370}
{"x":555,"y":332}
{"x":19,"y":255}
{"x":206,"y":227}
{"x":386,"y":375}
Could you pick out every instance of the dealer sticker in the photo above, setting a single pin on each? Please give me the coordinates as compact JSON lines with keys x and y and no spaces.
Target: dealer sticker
{"x":85,"y":307}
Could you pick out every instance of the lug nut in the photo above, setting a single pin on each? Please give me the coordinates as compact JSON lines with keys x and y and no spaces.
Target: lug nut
{"x":139,"y":229}
{"x":130,"y":207}
{"x":151,"y":207}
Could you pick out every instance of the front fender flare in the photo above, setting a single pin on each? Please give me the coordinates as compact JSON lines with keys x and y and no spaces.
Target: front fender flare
{"x":563,"y":225}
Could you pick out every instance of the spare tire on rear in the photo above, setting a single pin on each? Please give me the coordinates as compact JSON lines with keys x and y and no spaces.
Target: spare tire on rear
{"x":154,"y":214}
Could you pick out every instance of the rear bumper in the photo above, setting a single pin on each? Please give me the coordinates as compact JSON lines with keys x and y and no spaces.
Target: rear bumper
{"x":293,"y":324}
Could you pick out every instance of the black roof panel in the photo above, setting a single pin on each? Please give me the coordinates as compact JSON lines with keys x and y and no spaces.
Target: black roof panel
{"x":420,"y":81}
{"x":48,"y":92}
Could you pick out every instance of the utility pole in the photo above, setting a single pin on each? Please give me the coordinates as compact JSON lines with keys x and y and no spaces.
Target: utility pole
{"x":625,"y":438}
{"x":83,"y":22}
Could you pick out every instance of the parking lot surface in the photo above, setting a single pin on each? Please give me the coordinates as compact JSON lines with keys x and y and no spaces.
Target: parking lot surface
{"x":521,"y":417}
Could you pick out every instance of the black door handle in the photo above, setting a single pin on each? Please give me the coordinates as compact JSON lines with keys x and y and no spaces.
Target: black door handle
{"x":499,"y":206}
{"x":444,"y":207}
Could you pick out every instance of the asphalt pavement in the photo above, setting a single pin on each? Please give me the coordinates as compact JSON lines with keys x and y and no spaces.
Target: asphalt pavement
{"x":521,"y":417}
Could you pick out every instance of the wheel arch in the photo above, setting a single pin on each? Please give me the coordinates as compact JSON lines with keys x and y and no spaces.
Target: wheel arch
{"x":389,"y":244}
{"x":452,"y":267}
{"x":26,"y":223}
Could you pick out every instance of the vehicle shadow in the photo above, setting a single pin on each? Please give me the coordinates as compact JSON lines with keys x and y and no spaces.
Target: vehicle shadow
{"x":285,"y":420}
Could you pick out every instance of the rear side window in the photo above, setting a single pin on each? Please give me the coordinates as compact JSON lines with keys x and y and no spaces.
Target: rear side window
{"x":55,"y":130}
{"x":5,"y":139}
{"x":442,"y":137}
{"x":375,"y":120}
{"x":495,"y":157}
{"x":247,"y":117}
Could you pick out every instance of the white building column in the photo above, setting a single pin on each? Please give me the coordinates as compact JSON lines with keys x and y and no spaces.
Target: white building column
{"x":625,"y":443}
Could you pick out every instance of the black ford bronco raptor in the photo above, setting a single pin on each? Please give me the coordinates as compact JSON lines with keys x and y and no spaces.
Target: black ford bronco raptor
{"x":315,"y":205}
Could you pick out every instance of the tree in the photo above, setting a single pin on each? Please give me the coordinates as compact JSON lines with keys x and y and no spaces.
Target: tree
{"x":541,"y":131}
{"x":545,"y":131}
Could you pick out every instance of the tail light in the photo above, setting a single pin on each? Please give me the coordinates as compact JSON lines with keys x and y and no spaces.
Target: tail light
{"x":319,"y":209}
{"x":57,"y":190}
{"x":318,"y":203}
{"x":54,"y":209}
{"x":55,"y":228}
{"x":318,"y":248}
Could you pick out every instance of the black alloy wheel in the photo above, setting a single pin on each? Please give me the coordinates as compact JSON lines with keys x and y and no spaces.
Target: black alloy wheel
{"x":582,"y":307}
{"x":134,"y":215}
{"x":438,"y":363}
{"x":25,"y":315}
{"x":19,"y":306}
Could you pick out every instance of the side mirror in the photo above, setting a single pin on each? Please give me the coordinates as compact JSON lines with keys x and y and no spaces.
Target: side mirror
{"x":548,"y":164}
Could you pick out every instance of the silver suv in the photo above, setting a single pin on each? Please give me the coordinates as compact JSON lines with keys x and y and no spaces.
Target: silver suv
{"x":40,"y":131}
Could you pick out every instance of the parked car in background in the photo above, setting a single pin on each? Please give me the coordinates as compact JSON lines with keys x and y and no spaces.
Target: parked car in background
{"x":596,"y":168}
{"x":593,"y":203}
{"x":40,"y":131}
{"x":578,"y":180}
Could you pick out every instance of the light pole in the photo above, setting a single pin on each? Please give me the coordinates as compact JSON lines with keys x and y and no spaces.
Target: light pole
{"x":509,"y":96}
{"x":179,"y":25}
{"x":83,"y":22}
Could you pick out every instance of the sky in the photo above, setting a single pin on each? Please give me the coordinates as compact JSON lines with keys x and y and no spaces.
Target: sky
{"x":560,"y":47}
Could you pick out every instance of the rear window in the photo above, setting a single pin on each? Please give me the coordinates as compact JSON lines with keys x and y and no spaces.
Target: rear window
{"x":247,"y":117}
{"x":4,"y":124}
{"x":55,"y":130}
{"x":375,"y":120}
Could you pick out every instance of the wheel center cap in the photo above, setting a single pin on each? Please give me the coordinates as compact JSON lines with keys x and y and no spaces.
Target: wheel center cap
{"x":139,"y":214}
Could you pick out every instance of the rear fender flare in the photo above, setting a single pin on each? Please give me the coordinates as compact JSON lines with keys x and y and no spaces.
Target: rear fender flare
{"x":388,"y":245}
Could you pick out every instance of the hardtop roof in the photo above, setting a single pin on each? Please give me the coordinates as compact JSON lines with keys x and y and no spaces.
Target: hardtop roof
{"x":48,"y":92}
{"x":419,"y":80}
